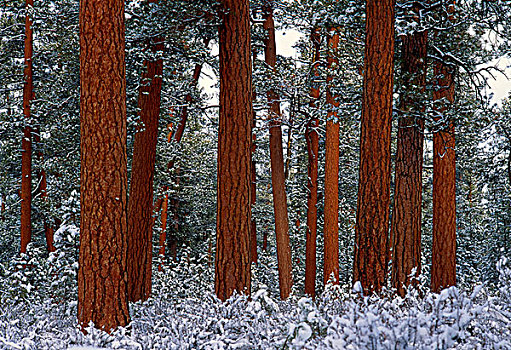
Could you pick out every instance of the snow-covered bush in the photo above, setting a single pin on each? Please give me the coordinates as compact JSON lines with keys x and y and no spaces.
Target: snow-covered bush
{"x":183,"y":313}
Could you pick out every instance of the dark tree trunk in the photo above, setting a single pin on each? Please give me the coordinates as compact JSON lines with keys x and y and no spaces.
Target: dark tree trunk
{"x":48,"y":229}
{"x":406,"y":217}
{"x":312,"y":138}
{"x":102,"y":275}
{"x":2,"y":208}
{"x":331,"y":226}
{"x":163,"y":233}
{"x":232,"y":262}
{"x":371,"y":231}
{"x":277,"y":167}
{"x":26,"y":143}
{"x":140,"y":200}
{"x":443,"y":265}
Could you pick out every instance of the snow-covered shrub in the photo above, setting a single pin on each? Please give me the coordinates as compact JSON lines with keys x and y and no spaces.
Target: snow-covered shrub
{"x":37,"y":276}
{"x":25,"y":276}
{"x":184,"y":313}
{"x":63,"y":264}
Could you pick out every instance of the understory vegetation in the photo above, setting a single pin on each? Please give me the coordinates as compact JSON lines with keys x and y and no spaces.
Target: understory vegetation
{"x":38,"y":311}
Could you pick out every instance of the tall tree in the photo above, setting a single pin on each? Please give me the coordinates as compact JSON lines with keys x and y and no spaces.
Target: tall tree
{"x":331,"y":226}
{"x":140,"y":200}
{"x":443,"y":265}
{"x":26,"y":143}
{"x":312,"y":139}
{"x":277,"y":165}
{"x":406,"y":216}
{"x":371,"y":230}
{"x":102,"y":275}
{"x":232,"y":261}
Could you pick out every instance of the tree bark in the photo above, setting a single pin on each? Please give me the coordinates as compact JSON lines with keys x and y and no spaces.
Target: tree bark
{"x":26,"y":143}
{"x":331,"y":226}
{"x":371,"y":231}
{"x":406,"y":217}
{"x":312,"y":139}
{"x":140,"y":200}
{"x":102,"y":275}
{"x":277,"y":167}
{"x":232,"y":261}
{"x":443,"y":265}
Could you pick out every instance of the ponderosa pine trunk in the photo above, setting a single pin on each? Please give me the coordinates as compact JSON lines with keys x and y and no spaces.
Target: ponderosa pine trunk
{"x":102,"y":275}
{"x":163,"y":234}
{"x":140,"y":200}
{"x":232,"y":261}
{"x":331,"y":226}
{"x":407,"y":213}
{"x":26,"y":143}
{"x":372,"y":227}
{"x":312,"y":139}
{"x":443,"y":265}
{"x":277,"y":166}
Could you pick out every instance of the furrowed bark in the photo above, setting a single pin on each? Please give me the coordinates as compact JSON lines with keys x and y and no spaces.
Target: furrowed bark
{"x":371,"y":230}
{"x":140,"y":200}
{"x":443,"y":265}
{"x":331,"y":226}
{"x":407,"y":213}
{"x":102,"y":275}
{"x":26,"y":143}
{"x":232,"y":261}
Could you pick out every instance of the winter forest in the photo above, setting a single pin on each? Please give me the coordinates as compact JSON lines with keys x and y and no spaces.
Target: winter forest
{"x":170,"y":180}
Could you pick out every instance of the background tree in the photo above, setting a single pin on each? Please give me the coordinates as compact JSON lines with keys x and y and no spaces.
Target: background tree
{"x":443,"y":265}
{"x":407,"y":213}
{"x":331,"y":227}
{"x":277,"y":165}
{"x":26,"y":144}
{"x":140,"y":201}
